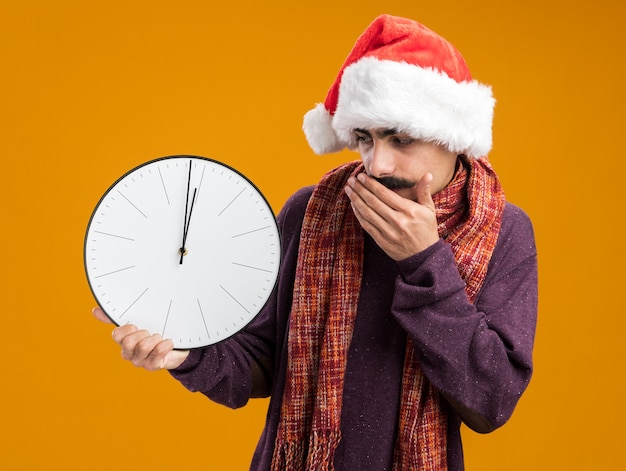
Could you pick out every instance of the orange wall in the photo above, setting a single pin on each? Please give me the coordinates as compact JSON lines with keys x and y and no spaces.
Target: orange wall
{"x":88,"y":90}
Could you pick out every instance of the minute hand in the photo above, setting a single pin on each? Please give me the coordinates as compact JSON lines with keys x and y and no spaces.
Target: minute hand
{"x":188,"y":211}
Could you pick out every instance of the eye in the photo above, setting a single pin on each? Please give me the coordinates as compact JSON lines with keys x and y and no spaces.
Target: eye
{"x":362,"y":137}
{"x":403,"y":141}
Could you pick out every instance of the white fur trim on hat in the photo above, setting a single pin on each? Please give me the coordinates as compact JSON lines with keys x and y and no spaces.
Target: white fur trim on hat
{"x":424,"y":103}
{"x":317,"y":127}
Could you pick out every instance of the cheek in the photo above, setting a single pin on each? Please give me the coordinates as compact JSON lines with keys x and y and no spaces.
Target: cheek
{"x":416,"y":169}
{"x":364,"y":151}
{"x":366,"y":158}
{"x":412,"y":169}
{"x":442,"y":174}
{"x":437,"y":184}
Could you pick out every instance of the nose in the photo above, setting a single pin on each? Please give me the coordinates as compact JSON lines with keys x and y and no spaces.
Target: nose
{"x":380,"y":161}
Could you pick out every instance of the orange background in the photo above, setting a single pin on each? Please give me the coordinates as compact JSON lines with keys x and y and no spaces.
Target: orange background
{"x":90,"y":89}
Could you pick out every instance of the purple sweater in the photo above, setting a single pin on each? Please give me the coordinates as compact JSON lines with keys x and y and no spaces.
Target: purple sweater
{"x":480,"y":355}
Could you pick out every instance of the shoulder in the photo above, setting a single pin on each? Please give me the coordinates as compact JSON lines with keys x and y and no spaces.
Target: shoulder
{"x":295,"y":207}
{"x":291,"y":215}
{"x":516,"y":243}
{"x":517,"y":230}
{"x":298,"y":201}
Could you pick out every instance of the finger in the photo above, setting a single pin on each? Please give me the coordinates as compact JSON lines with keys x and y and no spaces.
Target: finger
{"x":374,"y":192}
{"x":147,"y":354}
{"x":422,"y":191}
{"x":152,"y":353}
{"x":372,"y":200}
{"x":99,"y":314}
{"x":164,"y":353}
{"x":367,"y":208}
{"x":136,"y":346}
{"x":120,"y":333}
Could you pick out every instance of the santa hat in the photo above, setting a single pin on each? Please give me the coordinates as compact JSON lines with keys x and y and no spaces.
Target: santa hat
{"x":401,"y":75}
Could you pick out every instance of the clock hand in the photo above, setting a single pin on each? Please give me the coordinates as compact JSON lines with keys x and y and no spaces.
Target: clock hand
{"x":183,"y":249}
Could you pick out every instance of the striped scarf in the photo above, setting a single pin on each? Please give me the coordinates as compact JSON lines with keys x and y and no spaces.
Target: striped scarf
{"x":326,"y":292}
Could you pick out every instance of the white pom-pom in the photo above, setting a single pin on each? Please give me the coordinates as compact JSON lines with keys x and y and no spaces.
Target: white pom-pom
{"x":319,"y":132}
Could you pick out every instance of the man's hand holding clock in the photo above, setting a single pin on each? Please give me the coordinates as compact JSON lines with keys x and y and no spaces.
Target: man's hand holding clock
{"x":142,"y":349}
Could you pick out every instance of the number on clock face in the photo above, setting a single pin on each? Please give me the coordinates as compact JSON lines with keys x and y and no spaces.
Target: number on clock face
{"x":183,"y":246}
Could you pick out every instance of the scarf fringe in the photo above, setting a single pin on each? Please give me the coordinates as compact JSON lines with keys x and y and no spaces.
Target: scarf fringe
{"x":323,"y":450}
{"x":292,"y":456}
{"x":288,"y":457}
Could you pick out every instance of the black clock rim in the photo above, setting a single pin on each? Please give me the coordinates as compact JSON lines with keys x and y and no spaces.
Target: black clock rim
{"x":173,"y":157}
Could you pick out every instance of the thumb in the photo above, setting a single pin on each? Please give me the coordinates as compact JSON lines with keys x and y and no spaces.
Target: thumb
{"x":100,"y":315}
{"x":422,"y":191}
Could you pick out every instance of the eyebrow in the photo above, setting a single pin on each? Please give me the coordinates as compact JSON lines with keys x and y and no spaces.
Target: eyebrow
{"x":382,"y":133}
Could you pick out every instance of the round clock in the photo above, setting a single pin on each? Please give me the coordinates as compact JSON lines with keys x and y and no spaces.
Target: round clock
{"x":183,"y":246}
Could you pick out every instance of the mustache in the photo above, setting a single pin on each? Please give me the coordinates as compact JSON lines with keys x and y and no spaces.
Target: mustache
{"x":395,"y":183}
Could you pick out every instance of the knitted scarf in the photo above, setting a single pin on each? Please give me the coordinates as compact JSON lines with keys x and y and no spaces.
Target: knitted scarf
{"x":326,"y":292}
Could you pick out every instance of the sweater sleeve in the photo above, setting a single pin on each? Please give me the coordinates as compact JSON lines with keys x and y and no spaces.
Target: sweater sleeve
{"x":224,"y":372}
{"x":478,"y":354}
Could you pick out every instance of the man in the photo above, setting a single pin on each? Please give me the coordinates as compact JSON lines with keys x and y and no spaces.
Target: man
{"x":407,"y":298}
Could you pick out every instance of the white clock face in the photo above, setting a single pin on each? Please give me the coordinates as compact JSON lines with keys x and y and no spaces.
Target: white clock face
{"x":183,"y":246}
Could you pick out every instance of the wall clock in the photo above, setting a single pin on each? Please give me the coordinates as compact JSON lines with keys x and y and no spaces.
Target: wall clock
{"x":184,"y":246}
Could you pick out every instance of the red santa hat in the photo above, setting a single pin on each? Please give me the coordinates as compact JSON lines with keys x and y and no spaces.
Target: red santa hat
{"x":401,"y":75}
